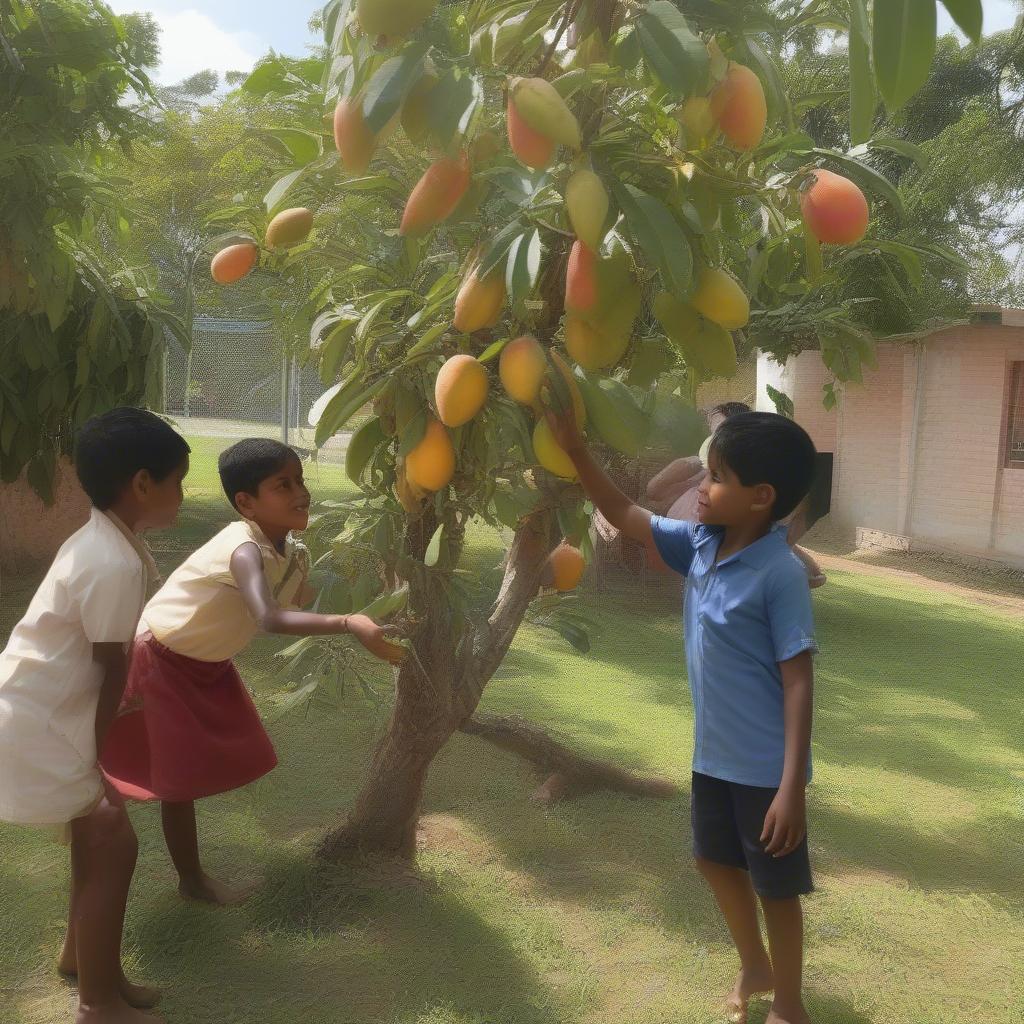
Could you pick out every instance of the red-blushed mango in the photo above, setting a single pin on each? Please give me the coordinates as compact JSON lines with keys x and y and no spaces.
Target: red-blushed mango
{"x":567,"y":565}
{"x":835,"y":209}
{"x":545,"y":111}
{"x":550,"y":454}
{"x":739,"y":106}
{"x":720,"y":298}
{"x":480,"y":300}
{"x":586,"y":203}
{"x":392,"y":18}
{"x":234,"y":262}
{"x":353,"y":139}
{"x":591,"y":347}
{"x":436,"y":195}
{"x":522,"y":368}
{"x":460,"y":390}
{"x":581,"y":279}
{"x":531,"y":148}
{"x":430,"y":466}
{"x":289,"y":228}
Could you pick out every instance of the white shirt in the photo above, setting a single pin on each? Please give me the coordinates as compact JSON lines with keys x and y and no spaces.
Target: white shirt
{"x":200,"y":612}
{"x":49,"y":683}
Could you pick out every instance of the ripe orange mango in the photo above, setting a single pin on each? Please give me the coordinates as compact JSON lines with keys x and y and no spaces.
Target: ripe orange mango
{"x":567,"y":566}
{"x":479,"y":302}
{"x":531,"y":148}
{"x":591,"y":347}
{"x":234,"y":262}
{"x":352,"y":137}
{"x":430,"y":466}
{"x":720,"y":298}
{"x":835,"y":209}
{"x":460,"y":390}
{"x":739,"y":106}
{"x":436,"y":195}
{"x":522,"y":368}
{"x":550,"y":454}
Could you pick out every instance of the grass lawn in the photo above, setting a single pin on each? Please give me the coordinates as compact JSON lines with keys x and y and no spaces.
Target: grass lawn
{"x":590,"y":912}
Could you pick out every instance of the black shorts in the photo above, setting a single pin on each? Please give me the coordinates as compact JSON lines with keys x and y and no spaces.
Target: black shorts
{"x":728,"y":820}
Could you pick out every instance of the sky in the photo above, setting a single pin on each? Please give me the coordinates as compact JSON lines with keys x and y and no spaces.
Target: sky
{"x":231,"y":35}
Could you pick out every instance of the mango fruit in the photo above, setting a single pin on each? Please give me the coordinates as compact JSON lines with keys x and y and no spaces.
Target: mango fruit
{"x":835,"y":209}
{"x":739,"y":106}
{"x":289,"y":228}
{"x":698,"y":121}
{"x":392,"y":18}
{"x":234,"y":262}
{"x":567,"y":565}
{"x":430,"y":466}
{"x":480,"y":300}
{"x":436,"y":195}
{"x":543,"y":109}
{"x":586,"y":202}
{"x":522,"y":368}
{"x":581,"y":279}
{"x":702,"y":342}
{"x":531,"y":148}
{"x":720,"y":298}
{"x":591,"y":347}
{"x":409,"y":496}
{"x":550,"y":454}
{"x":460,"y":390}
{"x":415,"y":110}
{"x":353,"y":139}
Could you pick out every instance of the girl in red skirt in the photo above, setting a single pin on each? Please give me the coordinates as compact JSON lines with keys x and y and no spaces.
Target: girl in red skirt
{"x":187,"y":727}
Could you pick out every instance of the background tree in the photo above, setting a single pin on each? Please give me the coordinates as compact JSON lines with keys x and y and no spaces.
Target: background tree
{"x":641,"y":210}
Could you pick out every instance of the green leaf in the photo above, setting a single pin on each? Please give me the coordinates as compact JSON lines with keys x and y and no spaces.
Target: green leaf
{"x":302,"y":146}
{"x":674,"y":53}
{"x":571,"y":82}
{"x":906,"y":255}
{"x":498,"y":248}
{"x":452,"y":104}
{"x":433,"y":553}
{"x":413,"y":431}
{"x":862,"y":87}
{"x":867,"y":177}
{"x":335,"y":349}
{"x":427,"y":341}
{"x":660,"y":236}
{"x":343,"y":403}
{"x":968,"y":15}
{"x":280,"y":189}
{"x":782,"y":402}
{"x":387,"y":604}
{"x":776,"y":93}
{"x":493,"y":350}
{"x":391,"y":84}
{"x":812,"y":253}
{"x":361,"y":447}
{"x":614,"y":413}
{"x":900,"y":146}
{"x":903,"y":46}
{"x":522,"y":271}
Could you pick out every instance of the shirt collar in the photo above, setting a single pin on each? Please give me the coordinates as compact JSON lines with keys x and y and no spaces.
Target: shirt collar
{"x":758,"y":554}
{"x":137,"y":543}
{"x":265,"y":542}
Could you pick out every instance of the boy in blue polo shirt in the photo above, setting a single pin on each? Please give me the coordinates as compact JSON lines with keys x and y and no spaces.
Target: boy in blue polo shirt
{"x":749,"y":642}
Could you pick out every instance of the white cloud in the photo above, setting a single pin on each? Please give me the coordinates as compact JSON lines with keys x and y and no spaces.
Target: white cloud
{"x":191,"y":41}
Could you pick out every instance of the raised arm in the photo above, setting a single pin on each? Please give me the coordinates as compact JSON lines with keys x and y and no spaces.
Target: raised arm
{"x":247,"y":569}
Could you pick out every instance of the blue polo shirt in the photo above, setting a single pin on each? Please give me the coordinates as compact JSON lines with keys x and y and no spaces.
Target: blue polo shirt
{"x":742,"y":617}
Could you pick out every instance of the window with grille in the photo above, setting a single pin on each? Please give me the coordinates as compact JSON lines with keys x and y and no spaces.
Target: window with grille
{"x":1015,"y":418}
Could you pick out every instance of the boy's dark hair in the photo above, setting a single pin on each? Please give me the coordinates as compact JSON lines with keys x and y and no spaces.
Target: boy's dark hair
{"x":728,"y":409}
{"x":112,"y":447}
{"x":244,"y":466}
{"x":764,"y":448}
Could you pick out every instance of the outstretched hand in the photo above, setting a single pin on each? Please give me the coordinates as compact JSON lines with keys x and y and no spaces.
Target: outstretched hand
{"x":375,"y":639}
{"x":564,"y":428}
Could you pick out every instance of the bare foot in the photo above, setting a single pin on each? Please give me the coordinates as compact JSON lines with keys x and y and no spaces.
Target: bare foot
{"x":205,"y":889}
{"x":787,"y":1015}
{"x":141,"y":997}
{"x":749,"y":982}
{"x":114,"y":1013}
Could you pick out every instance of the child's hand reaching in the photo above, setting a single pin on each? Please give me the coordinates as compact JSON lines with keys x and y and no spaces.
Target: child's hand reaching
{"x":374,"y":638}
{"x":563,"y":427}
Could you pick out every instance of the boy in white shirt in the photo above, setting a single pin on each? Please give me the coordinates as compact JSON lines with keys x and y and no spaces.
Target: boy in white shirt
{"x":62,"y":676}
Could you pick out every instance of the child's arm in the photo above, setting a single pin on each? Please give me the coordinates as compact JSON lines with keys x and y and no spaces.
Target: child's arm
{"x":113,"y":659}
{"x":623,"y":513}
{"x":247,"y":569}
{"x":785,"y":825}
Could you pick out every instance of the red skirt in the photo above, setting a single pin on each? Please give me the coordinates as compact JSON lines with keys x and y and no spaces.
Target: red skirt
{"x":187,"y":729}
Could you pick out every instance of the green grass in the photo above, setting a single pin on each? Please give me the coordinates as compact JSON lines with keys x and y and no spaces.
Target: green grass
{"x":590,"y":912}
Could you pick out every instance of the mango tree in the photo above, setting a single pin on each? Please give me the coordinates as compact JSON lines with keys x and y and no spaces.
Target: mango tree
{"x":513,"y":203}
